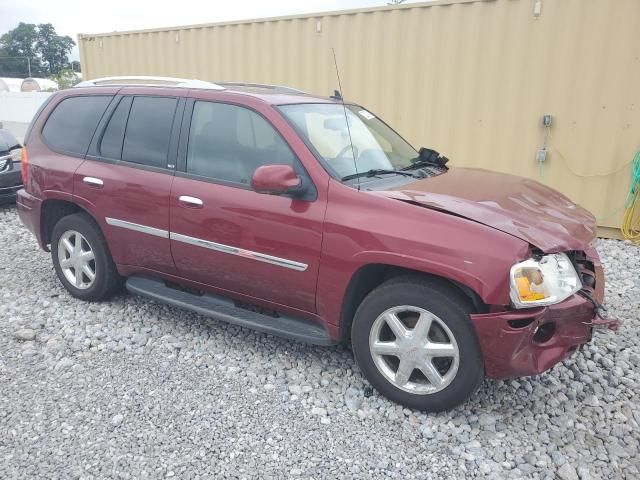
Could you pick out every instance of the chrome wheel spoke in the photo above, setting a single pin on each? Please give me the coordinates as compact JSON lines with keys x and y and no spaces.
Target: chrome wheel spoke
{"x":395,"y":324}
{"x":78,"y":279}
{"x":421,"y":330}
{"x":88,"y":272}
{"x":385,"y":348}
{"x":68,"y":246}
{"x":405,"y":369}
{"x":76,"y":242}
{"x":66,"y":263}
{"x":432,"y":374}
{"x":87,"y":256}
{"x":441,"y":350}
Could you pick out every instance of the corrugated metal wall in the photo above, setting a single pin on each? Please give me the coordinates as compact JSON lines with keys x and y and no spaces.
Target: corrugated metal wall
{"x":471,"y":78}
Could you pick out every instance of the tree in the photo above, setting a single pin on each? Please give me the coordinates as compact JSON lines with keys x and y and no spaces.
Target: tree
{"x":17,"y":48}
{"x":54,"y":49}
{"x":47,"y":51}
{"x":66,"y":78}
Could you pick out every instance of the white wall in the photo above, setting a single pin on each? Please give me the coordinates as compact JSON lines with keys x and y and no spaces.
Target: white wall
{"x":18,"y":108}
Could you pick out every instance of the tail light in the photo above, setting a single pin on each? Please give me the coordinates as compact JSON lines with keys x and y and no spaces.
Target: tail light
{"x":23,"y":166}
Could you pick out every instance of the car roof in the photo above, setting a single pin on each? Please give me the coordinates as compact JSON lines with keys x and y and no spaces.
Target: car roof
{"x":268,"y":93}
{"x":277,"y":97}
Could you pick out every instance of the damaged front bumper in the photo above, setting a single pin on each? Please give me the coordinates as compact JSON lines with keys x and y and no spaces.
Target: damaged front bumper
{"x":528,"y":342}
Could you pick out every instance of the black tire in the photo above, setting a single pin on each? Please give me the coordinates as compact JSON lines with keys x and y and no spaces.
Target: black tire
{"x":107,"y":280}
{"x":452,"y":308}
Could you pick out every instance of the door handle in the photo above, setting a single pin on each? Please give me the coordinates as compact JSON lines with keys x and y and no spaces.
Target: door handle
{"x":93,"y":182}
{"x":191,"y":202}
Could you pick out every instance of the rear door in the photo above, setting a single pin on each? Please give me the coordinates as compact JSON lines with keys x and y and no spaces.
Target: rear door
{"x":126,"y":179}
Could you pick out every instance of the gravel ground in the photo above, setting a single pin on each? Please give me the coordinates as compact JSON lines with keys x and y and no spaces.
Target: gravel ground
{"x":134,"y":389}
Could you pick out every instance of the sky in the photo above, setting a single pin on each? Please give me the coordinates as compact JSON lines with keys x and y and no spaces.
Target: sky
{"x":70,"y":17}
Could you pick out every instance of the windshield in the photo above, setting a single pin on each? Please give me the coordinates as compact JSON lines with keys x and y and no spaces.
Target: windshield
{"x":375,"y":145}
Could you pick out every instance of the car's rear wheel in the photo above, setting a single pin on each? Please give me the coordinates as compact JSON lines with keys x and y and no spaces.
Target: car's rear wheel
{"x":414,"y":342}
{"x":82,"y":260}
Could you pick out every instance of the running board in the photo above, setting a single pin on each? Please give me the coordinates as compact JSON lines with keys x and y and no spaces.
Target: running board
{"x":224,"y":309}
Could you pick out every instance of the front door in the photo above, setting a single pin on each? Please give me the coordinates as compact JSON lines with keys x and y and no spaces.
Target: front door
{"x":224,"y":234}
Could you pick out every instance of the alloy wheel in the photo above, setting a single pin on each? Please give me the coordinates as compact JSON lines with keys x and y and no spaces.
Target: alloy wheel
{"x":77,"y":259}
{"x":414,"y":350}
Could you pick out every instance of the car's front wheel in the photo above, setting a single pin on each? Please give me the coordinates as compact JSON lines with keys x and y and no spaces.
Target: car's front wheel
{"x":414,"y":342}
{"x":82,"y":260}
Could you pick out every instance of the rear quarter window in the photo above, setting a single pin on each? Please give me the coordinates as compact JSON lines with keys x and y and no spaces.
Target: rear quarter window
{"x":73,"y":122}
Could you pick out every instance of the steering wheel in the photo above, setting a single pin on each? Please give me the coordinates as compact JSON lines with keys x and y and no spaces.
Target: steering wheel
{"x":346,"y":149}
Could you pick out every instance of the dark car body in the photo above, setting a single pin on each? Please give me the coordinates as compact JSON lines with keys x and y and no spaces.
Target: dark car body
{"x":10,"y":171}
{"x":315,"y":258}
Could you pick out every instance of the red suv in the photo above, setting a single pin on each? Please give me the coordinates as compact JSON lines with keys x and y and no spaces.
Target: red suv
{"x":311,"y":219}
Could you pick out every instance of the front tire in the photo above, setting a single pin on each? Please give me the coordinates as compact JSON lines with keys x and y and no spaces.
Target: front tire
{"x":82,"y":260}
{"x":413,"y":341}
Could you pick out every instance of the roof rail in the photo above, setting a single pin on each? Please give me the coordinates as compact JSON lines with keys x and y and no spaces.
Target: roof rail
{"x":150,"y":81}
{"x":274,"y":88}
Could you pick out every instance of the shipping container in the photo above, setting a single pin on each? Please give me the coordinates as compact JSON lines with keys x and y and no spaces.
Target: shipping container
{"x":470,"y":78}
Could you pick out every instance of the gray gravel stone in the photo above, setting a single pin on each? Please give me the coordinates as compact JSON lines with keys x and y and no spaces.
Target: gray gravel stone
{"x":318,"y":411}
{"x":64,"y":363}
{"x":25,"y":334}
{"x":568,"y":472}
{"x":353,"y":398}
{"x":134,"y":389}
{"x":117,"y":419}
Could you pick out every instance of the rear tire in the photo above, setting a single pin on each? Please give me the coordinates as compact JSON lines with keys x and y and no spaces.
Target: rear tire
{"x":414,"y":342}
{"x":82,"y":260}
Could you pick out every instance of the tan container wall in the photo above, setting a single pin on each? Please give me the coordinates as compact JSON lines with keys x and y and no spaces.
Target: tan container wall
{"x":471,"y":78}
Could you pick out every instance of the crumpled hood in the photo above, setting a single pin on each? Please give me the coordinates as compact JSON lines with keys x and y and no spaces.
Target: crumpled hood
{"x":519,"y":206}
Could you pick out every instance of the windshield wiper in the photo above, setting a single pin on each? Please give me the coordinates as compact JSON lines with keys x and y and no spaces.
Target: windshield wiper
{"x":428,"y":158}
{"x":422,"y":163}
{"x":377,"y":171}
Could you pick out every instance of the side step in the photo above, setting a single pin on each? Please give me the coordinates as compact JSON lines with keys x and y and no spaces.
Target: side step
{"x":224,"y":309}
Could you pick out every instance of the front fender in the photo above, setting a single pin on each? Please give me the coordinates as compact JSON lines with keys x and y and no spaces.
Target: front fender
{"x":449,"y":271}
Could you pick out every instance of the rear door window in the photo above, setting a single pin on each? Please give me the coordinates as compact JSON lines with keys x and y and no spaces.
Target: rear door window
{"x":148,"y":131}
{"x":73,"y":122}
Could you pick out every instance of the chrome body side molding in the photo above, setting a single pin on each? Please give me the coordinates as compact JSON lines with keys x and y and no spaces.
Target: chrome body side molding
{"x":218,"y":247}
{"x":157,"y":232}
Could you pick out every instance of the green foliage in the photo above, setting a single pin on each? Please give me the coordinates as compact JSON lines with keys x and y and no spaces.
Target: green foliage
{"x":66,"y":78}
{"x":47,"y":51}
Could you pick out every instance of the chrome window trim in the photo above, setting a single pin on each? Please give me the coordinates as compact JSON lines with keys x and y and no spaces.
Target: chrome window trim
{"x":219,"y":247}
{"x":157,"y":232}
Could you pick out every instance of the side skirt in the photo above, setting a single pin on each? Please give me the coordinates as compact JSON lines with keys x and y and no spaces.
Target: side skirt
{"x":225,"y":309}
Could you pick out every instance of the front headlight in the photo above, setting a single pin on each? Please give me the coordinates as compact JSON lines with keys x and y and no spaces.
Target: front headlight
{"x":548,"y":280}
{"x":16,"y":155}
